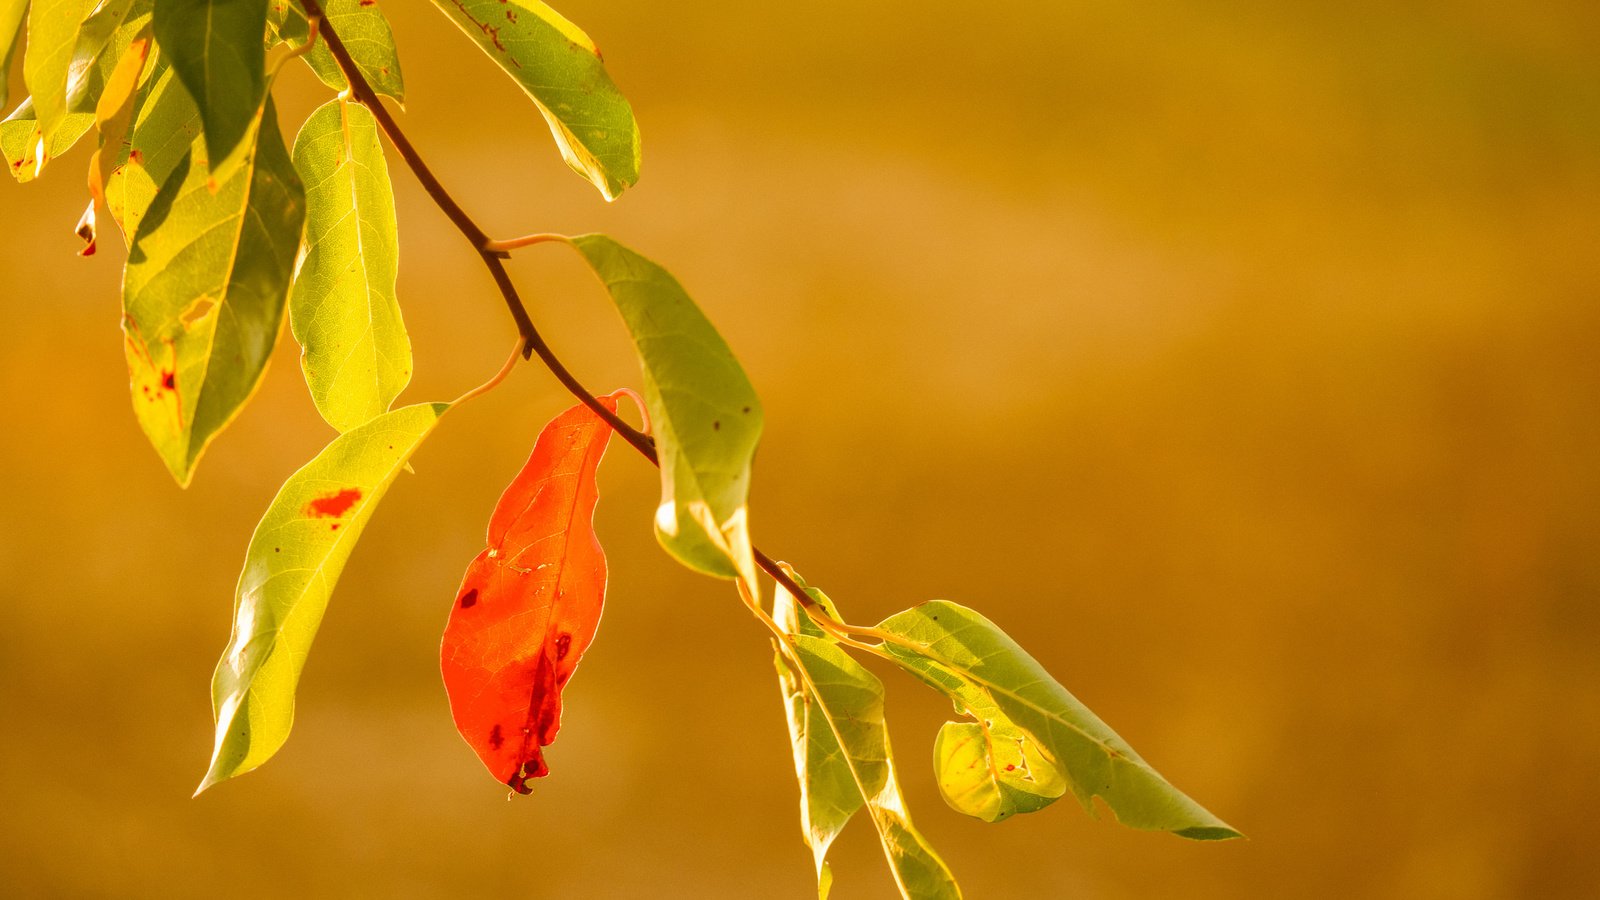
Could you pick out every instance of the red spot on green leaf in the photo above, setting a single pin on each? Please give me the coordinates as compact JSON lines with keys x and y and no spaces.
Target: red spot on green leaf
{"x":334,"y":505}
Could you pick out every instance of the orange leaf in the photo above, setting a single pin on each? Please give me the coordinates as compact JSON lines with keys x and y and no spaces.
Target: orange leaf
{"x":529,"y":604}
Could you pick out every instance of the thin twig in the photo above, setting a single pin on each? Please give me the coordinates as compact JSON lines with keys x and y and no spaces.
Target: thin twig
{"x":492,"y":252}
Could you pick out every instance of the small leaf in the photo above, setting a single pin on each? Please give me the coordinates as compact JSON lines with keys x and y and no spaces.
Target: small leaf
{"x":354,"y":349}
{"x":850,"y":700}
{"x":704,"y":413}
{"x":113,"y":117}
{"x":957,"y":650}
{"x":207,"y":279}
{"x":19,"y":139}
{"x":216,"y":48}
{"x":294,"y":560}
{"x":530,"y":603}
{"x":53,"y":28}
{"x":365,"y":33}
{"x":828,"y":792}
{"x":558,"y":66}
{"x":163,"y":131}
{"x":13,"y":13}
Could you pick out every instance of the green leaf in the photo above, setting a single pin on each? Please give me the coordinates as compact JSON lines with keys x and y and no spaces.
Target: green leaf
{"x":559,"y":67}
{"x":163,"y":132}
{"x":19,"y":139}
{"x":828,"y":792}
{"x":53,"y":27}
{"x":103,"y":40}
{"x":216,"y":48}
{"x":295,"y":558}
{"x":959,"y":651}
{"x":850,"y":700}
{"x":99,"y":43}
{"x":206,"y":281}
{"x":365,"y":33}
{"x":703,"y":411}
{"x":12,"y":14}
{"x":355,"y":352}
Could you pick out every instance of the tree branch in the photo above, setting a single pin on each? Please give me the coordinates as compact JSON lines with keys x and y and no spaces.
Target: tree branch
{"x":493,"y":252}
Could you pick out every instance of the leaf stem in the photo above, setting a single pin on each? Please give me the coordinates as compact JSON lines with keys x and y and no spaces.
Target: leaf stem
{"x":492,"y":383}
{"x":493,"y":252}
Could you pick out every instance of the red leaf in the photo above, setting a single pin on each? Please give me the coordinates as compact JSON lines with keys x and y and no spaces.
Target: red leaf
{"x":529,"y":604}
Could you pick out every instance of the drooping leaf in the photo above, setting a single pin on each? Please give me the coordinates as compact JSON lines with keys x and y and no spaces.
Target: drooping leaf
{"x":850,"y":701}
{"x":12,"y":15}
{"x":354,"y":349}
{"x":98,"y":43}
{"x":216,"y":48}
{"x":163,"y":131}
{"x":365,"y":33}
{"x":113,"y":117}
{"x":559,"y":67}
{"x":705,"y":415}
{"x":957,"y":650}
{"x":828,"y":792}
{"x":530,"y":603}
{"x":206,"y":281}
{"x":53,"y":28}
{"x":102,"y":42}
{"x":19,"y":139}
{"x":295,"y":557}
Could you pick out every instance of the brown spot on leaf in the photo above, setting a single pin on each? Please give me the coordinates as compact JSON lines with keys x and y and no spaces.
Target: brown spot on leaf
{"x":496,"y":738}
{"x":334,"y":505}
{"x":469,"y":600}
{"x":715,"y":425}
{"x":169,"y":380}
{"x":563,"y":644}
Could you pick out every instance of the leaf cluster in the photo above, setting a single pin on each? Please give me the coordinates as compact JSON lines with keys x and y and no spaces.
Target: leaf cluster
{"x":230,"y":230}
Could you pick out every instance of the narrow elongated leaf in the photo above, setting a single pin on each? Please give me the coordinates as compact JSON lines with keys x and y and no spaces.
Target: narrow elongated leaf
{"x":828,"y":792}
{"x":113,"y":117}
{"x":13,"y":13}
{"x":530,"y":603}
{"x":295,"y":558}
{"x":559,"y":67}
{"x":98,"y":44}
{"x":206,"y":280}
{"x":850,"y":700}
{"x":705,"y":415}
{"x":216,"y":48}
{"x":365,"y":33}
{"x":53,"y":28}
{"x":354,"y":349}
{"x":102,"y":42}
{"x":164,"y":129}
{"x":957,"y":650}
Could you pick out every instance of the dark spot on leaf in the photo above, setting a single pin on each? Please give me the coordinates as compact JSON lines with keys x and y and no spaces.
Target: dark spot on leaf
{"x":747,"y":409}
{"x":169,"y":380}
{"x":277,"y":549}
{"x":468,"y":600}
{"x":715,"y":425}
{"x":334,"y":505}
{"x":496,"y":738}
{"x":1010,"y":767}
{"x":563,"y":644}
{"x":334,"y":527}
{"x":134,"y":156}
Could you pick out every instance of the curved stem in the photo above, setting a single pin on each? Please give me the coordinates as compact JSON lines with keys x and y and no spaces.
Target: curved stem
{"x":492,"y":252}
{"x":492,"y":383}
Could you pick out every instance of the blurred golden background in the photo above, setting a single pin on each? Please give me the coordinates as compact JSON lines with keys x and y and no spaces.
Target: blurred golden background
{"x":1238,"y":358}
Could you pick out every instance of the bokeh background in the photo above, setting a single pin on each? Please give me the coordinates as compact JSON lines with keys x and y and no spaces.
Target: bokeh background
{"x":1240,"y":358}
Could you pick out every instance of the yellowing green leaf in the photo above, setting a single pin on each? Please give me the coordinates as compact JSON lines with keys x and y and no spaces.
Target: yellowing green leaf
{"x":19,"y":139}
{"x":295,"y":557}
{"x":53,"y":27}
{"x":559,"y":67}
{"x":12,"y":15}
{"x":704,"y":413}
{"x":216,"y":48}
{"x":164,"y":130}
{"x":365,"y":33}
{"x":206,"y":282}
{"x":850,"y":700}
{"x":828,"y":792}
{"x":959,"y":651}
{"x":354,"y":349}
